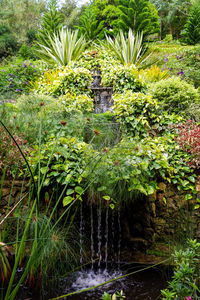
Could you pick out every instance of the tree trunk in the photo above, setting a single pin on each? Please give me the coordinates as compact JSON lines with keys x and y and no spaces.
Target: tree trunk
{"x":170,"y":29}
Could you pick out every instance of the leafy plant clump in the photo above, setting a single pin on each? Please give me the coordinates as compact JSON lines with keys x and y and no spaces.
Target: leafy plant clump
{"x":184,"y":63}
{"x":77,"y":104}
{"x":174,"y":94}
{"x":135,"y":165}
{"x":123,"y":78}
{"x":63,"y":162}
{"x":115,"y":296}
{"x":185,"y":281}
{"x":127,"y":49}
{"x":63,"y":47}
{"x":64,"y":80}
{"x":136,"y":112}
{"x":154,"y":74}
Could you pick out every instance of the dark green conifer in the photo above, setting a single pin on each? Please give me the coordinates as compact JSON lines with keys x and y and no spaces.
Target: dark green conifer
{"x":51,"y":23}
{"x":192,"y":27}
{"x":139,"y":15}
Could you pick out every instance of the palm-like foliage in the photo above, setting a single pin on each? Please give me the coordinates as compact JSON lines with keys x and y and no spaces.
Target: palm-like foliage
{"x":63,"y":47}
{"x":128,"y":49}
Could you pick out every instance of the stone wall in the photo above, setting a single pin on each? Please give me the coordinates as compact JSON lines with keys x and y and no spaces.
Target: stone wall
{"x":161,"y":218}
{"x":172,"y":215}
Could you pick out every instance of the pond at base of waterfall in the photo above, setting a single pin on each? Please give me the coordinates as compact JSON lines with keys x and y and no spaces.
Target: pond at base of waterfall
{"x":142,"y":285}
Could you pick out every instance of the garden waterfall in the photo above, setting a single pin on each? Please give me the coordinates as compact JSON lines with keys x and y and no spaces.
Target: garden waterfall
{"x":103,"y":234}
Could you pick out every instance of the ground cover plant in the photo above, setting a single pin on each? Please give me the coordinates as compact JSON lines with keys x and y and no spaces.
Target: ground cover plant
{"x":66,"y":155}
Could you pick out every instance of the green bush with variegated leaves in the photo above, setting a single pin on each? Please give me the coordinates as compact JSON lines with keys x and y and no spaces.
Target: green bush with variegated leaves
{"x":64,"y":80}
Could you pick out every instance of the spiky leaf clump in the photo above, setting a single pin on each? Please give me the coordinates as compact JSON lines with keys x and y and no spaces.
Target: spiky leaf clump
{"x":63,"y":47}
{"x":128,"y":49}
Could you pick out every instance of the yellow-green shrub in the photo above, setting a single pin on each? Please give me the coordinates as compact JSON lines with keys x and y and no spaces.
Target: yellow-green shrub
{"x":76,"y":103}
{"x":64,"y":80}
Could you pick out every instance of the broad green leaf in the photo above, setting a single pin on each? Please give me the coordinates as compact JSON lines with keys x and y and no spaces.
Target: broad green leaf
{"x":43,"y":170}
{"x":67,"y":200}
{"x":79,"y":189}
{"x":107,"y":198}
{"x":101,"y":188}
{"x":70,"y":191}
{"x":112,"y":206}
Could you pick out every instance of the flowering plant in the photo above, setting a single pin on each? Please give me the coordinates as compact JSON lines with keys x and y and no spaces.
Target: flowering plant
{"x":16,"y":77}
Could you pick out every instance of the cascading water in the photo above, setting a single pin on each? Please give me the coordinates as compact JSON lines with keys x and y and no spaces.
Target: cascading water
{"x":102,"y":225}
{"x":119,"y":240}
{"x":106,"y":238}
{"x":113,"y":235}
{"x":81,"y":234}
{"x":92,"y":236}
{"x":99,"y":235}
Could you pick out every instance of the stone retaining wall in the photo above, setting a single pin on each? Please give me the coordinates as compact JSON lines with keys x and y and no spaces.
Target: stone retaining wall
{"x":172,"y":215}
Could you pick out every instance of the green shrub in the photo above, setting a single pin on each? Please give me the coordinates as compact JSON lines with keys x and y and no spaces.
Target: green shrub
{"x":63,"y":161}
{"x":192,"y":26}
{"x":124,"y":78}
{"x":64,"y":80}
{"x":96,"y":56}
{"x":185,"y":64}
{"x":31,"y":35}
{"x":174,"y":94}
{"x":79,"y":103}
{"x":136,"y":112}
{"x":168,"y":38}
{"x":185,"y":281}
{"x":154,"y":74}
{"x":8,"y":43}
{"x":25,"y":51}
{"x":129,"y":168}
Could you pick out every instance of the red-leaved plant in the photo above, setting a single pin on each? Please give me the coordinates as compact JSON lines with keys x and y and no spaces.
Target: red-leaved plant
{"x":188,"y":139}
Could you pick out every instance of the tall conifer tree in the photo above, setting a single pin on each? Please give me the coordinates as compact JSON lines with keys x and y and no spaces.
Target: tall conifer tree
{"x":192,"y":27}
{"x":139,"y":15}
{"x":51,"y":23}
